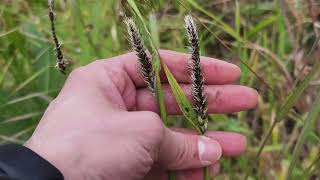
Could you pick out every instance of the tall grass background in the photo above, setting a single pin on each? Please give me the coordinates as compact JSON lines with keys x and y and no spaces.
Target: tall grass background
{"x":275,"y":42}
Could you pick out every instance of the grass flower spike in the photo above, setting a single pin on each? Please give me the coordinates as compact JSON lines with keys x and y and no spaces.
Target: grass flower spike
{"x":145,"y":62}
{"x":61,"y":61}
{"x":196,"y":74}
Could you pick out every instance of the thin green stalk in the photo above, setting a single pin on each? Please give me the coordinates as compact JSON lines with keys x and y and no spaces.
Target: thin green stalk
{"x":206,"y":174}
{"x":160,"y":100}
{"x":171,"y":175}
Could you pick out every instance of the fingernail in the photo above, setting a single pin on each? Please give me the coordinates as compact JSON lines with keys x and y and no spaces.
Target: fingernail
{"x":209,"y":150}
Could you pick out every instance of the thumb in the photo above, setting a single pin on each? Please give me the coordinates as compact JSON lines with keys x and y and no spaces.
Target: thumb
{"x":183,"y":151}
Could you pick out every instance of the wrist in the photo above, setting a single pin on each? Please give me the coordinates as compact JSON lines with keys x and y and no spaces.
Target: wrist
{"x":19,"y":162}
{"x":61,"y":158}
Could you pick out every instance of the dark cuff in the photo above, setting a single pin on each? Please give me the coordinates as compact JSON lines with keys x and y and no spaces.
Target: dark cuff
{"x":19,"y":162}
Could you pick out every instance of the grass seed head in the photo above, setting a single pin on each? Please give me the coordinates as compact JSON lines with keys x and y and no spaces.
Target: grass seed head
{"x":61,"y":61}
{"x":144,"y":61}
{"x":196,"y":74}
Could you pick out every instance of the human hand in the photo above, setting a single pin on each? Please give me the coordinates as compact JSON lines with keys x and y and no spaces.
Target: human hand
{"x":104,"y":123}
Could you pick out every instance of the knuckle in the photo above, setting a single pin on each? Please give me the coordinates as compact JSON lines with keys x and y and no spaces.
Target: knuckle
{"x":185,"y":154}
{"x":86,"y":72}
{"x":91,"y":68}
{"x":215,"y":98}
{"x":78,"y":72}
{"x":96,"y":64}
{"x":153,"y":124}
{"x":187,"y":150}
{"x":53,"y":103}
{"x":153,"y":119}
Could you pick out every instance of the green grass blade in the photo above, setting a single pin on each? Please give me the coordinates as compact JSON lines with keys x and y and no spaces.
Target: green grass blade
{"x":4,"y":71}
{"x":8,"y":32}
{"x":22,"y":117}
{"x":135,"y":8}
{"x":30,"y":79}
{"x":308,"y":126}
{"x":263,"y":24}
{"x":182,"y":100}
{"x":39,"y":95}
{"x":154,"y":29}
{"x":160,"y":100}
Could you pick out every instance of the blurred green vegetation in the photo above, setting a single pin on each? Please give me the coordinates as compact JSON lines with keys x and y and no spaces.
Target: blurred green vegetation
{"x":275,"y":42}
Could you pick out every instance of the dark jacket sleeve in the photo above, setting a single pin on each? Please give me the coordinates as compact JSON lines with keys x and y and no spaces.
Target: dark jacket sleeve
{"x":20,"y":163}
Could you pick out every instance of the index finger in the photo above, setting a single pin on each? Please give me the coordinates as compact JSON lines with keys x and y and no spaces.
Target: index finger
{"x":214,"y":71}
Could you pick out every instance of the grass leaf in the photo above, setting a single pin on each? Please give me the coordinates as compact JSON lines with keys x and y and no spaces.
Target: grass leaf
{"x":182,"y":100}
{"x":263,"y":24}
{"x":4,"y":71}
